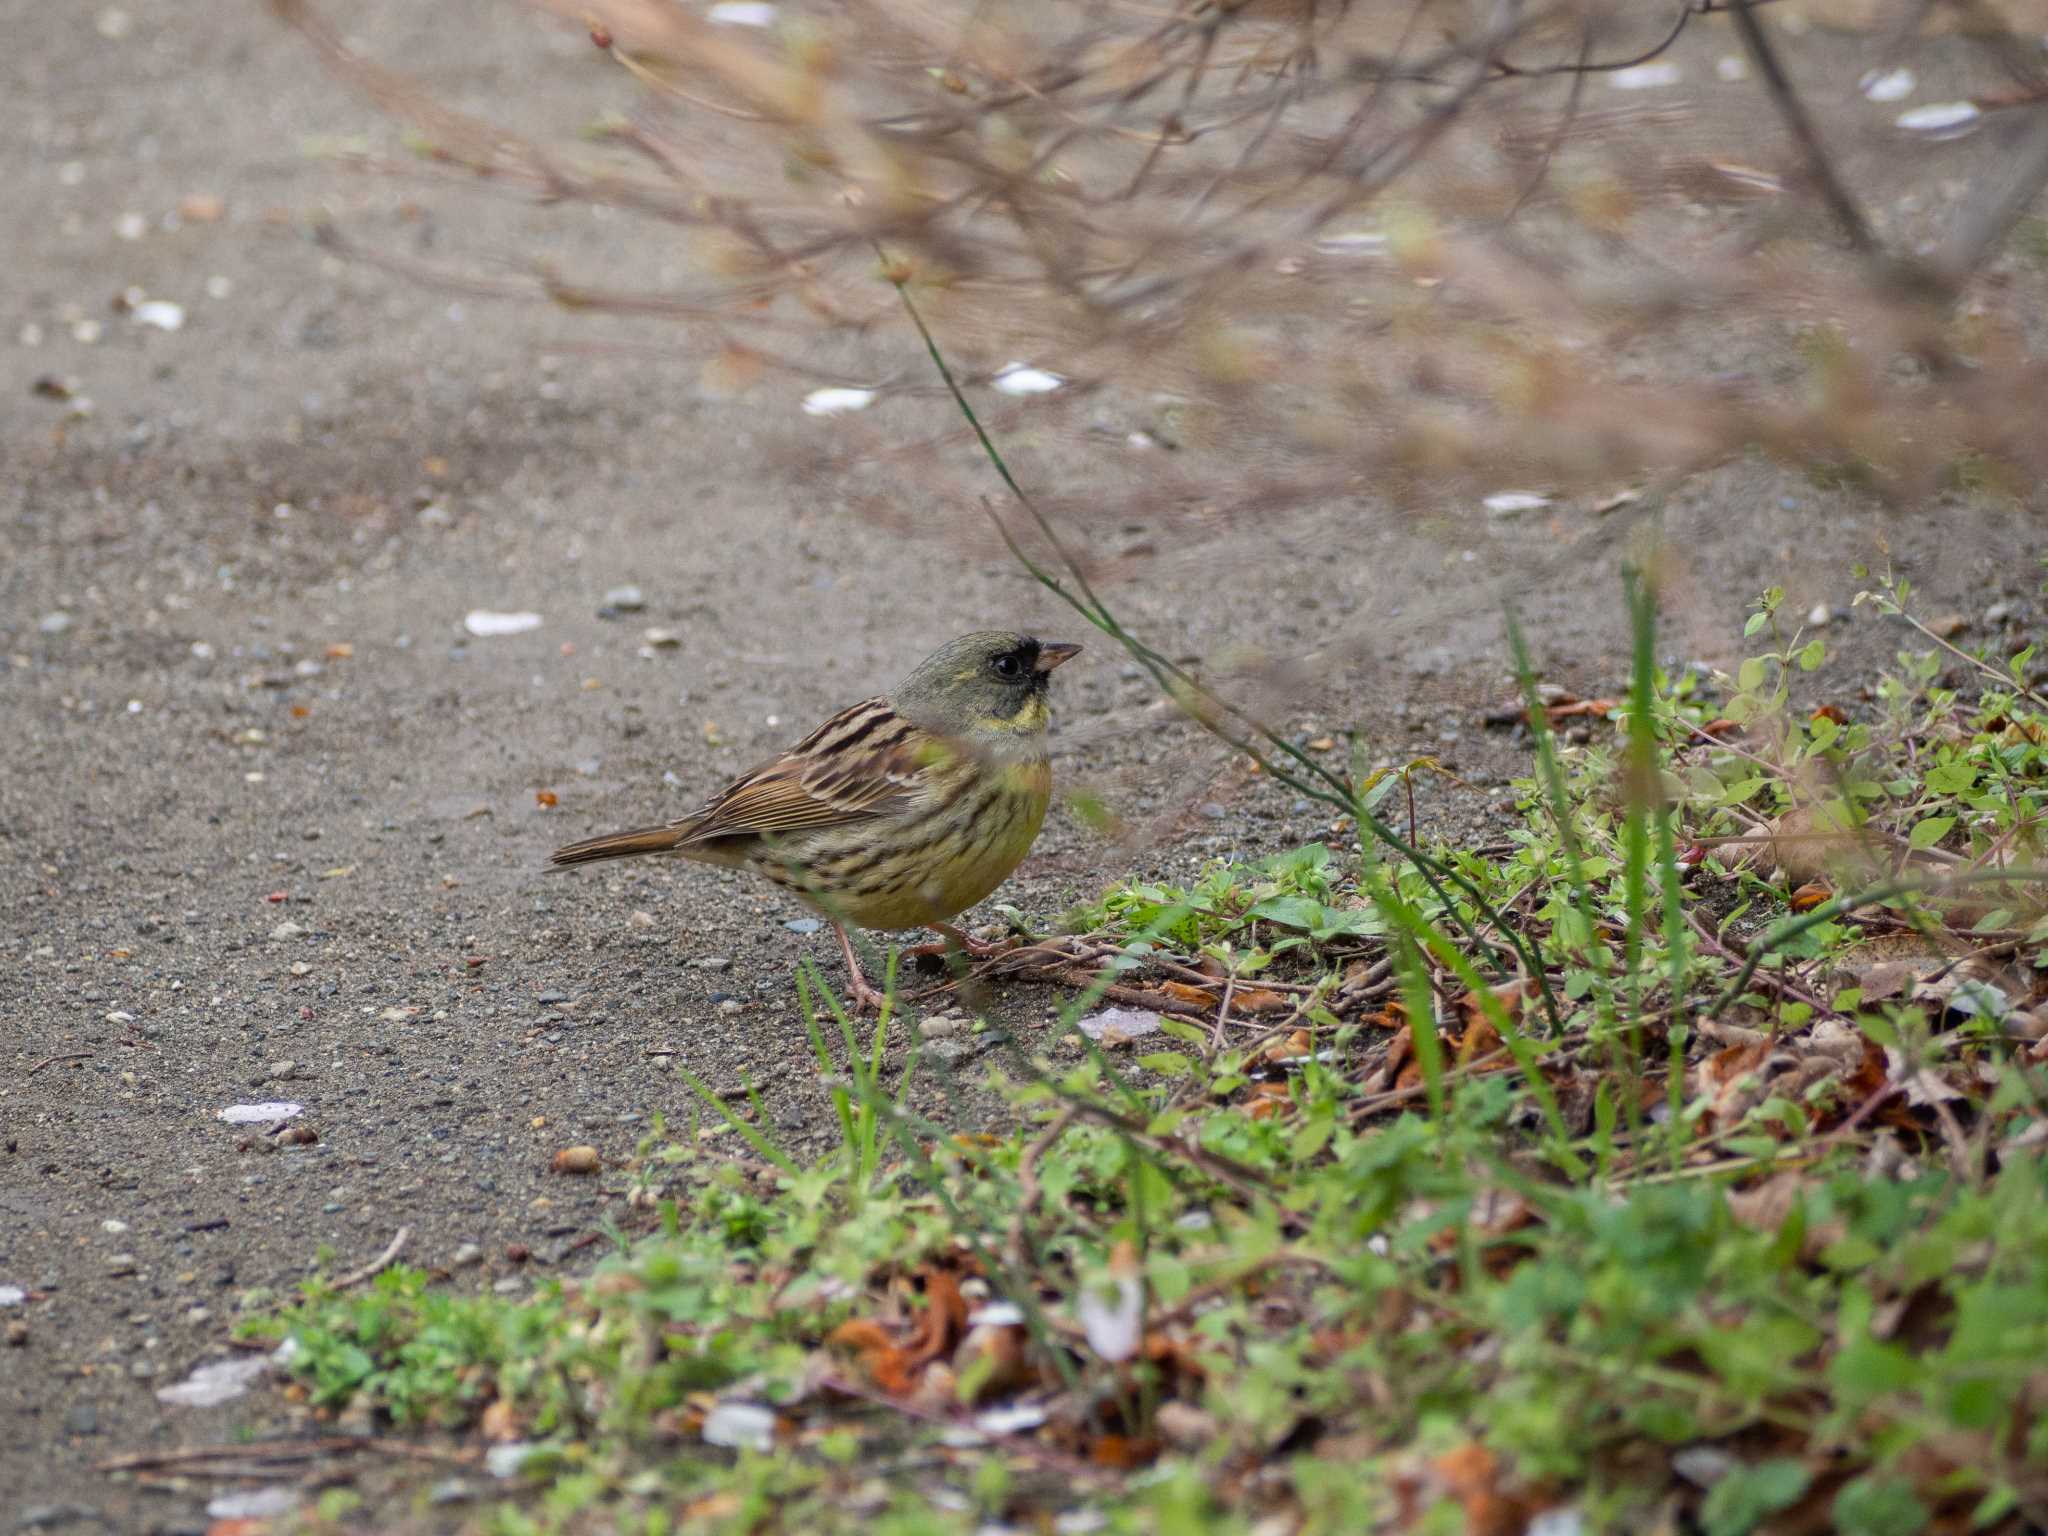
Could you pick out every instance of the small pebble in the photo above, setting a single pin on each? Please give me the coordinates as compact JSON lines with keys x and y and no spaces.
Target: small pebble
{"x":804,"y":924}
{"x":17,"y":1333}
{"x":1820,"y":616}
{"x":283,"y":1069}
{"x":1997,"y":614}
{"x":713,"y":962}
{"x":730,"y":1005}
{"x":55,"y":623}
{"x":577,"y":1160}
{"x":1213,"y":811}
{"x":466,"y":1255}
{"x":625,"y":600}
{"x":287,"y":930}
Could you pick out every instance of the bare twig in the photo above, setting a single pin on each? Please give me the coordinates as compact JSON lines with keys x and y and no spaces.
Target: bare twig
{"x":49,"y":1061}
{"x":1792,"y":108}
{"x":378,"y":1265}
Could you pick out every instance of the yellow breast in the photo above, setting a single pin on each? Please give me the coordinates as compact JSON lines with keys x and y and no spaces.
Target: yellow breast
{"x":938,"y":859}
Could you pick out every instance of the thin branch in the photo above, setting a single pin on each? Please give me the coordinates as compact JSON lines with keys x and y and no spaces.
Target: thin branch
{"x":1800,"y":123}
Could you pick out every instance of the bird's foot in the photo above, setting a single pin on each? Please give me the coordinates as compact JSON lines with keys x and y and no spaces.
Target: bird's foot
{"x":951,"y":939}
{"x":859,"y":990}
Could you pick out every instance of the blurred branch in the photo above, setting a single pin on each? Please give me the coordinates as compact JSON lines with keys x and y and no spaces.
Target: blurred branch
{"x":1793,"y":110}
{"x":1982,"y":228}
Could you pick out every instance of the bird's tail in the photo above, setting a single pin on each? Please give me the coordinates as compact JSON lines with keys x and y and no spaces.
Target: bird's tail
{"x":619,"y":845}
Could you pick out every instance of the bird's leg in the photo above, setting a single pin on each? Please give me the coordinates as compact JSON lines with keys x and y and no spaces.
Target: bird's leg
{"x":864,"y":996}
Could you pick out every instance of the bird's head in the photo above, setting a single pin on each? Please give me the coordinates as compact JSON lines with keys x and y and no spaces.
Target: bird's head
{"x":987,"y":688}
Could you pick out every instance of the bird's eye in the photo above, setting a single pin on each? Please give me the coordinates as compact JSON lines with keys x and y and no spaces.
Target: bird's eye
{"x":1008,"y":666}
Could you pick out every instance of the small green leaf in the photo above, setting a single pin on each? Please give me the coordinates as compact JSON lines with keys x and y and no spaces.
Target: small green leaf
{"x":1927,"y":833}
{"x":1747,"y":1495}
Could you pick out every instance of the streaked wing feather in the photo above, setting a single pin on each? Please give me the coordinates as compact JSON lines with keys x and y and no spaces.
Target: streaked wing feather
{"x":864,"y":762}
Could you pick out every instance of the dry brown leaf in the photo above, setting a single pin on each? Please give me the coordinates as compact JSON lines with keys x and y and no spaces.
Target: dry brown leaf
{"x":1815,"y":893}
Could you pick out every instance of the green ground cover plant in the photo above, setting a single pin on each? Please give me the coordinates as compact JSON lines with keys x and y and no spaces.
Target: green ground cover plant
{"x":1729,"y":1215}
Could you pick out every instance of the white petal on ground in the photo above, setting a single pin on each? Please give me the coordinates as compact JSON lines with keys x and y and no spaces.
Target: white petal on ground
{"x":216,"y":1382}
{"x":1888,"y":85}
{"x":160,"y":313}
{"x":12,"y":1295}
{"x":743,"y":13}
{"x":837,"y":400}
{"x":259,"y":1114}
{"x":1507,"y":503}
{"x":997,"y":1314}
{"x":1353,"y":242}
{"x":255,"y":1503}
{"x":1127,"y":1022}
{"x":742,"y":1426}
{"x":1113,"y":1316}
{"x":1011,"y":1419}
{"x":485,"y":623}
{"x":1942,"y":119}
{"x":1645,"y":77}
{"x":1022,"y":379}
{"x":506,"y":1460}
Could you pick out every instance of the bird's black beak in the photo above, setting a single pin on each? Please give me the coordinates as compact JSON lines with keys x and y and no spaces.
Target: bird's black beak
{"x":1052,"y":652}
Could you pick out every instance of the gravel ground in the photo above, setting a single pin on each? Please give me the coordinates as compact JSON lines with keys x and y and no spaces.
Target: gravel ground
{"x":272,"y":819}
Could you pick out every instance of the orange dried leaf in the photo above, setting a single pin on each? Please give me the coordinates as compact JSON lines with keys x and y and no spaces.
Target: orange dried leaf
{"x":1122,"y":1451}
{"x":1810,"y":895}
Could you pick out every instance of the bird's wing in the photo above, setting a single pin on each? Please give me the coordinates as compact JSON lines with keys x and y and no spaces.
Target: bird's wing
{"x":864,"y":762}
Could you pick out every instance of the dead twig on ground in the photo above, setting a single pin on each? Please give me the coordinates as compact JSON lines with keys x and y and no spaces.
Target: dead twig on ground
{"x":378,"y":1265}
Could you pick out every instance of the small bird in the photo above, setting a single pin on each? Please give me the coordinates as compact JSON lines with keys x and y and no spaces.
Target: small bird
{"x":899,"y":812}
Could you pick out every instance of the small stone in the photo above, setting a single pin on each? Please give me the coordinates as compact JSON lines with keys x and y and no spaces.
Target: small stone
{"x":1997,"y":614}
{"x":578,"y":1160}
{"x":661,"y":639}
{"x":941,"y":1025}
{"x":1948,"y":626}
{"x":466,"y":1255}
{"x":120,"y":1264}
{"x":713,"y":962}
{"x":287,"y":930}
{"x":55,"y":623}
{"x":82,"y":1419}
{"x":640,"y":919}
{"x":510,"y":1285}
{"x":551,"y":999}
{"x":1213,"y":811}
{"x":804,"y":924}
{"x":300,"y":968}
{"x":729,"y":1006}
{"x":622,"y":600}
{"x":1819,"y":616}
{"x":452,"y":1491}
{"x":280,"y":1070}
{"x":113,"y":1226}
{"x":17,"y":1333}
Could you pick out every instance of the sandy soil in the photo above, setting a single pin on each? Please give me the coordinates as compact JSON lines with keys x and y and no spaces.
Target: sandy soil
{"x":269,"y":826}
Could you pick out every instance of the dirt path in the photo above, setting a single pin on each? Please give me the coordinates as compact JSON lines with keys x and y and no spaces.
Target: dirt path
{"x":270,"y":818}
